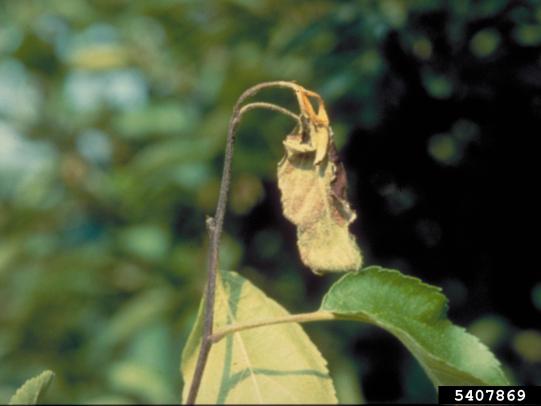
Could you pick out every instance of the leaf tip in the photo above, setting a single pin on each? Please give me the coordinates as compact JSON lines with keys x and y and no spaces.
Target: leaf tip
{"x":30,"y":392}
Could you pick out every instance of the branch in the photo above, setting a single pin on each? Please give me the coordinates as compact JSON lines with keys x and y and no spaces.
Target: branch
{"x":215,"y":225}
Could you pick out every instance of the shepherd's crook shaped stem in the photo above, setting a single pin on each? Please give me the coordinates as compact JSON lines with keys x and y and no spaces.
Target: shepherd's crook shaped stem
{"x":215,"y":225}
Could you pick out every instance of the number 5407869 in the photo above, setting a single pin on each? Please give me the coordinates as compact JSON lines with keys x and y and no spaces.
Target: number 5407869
{"x":488,"y":395}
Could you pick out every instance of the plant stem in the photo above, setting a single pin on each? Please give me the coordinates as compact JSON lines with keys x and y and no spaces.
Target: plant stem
{"x":215,"y":225}
{"x":320,"y":315}
{"x":269,"y":106}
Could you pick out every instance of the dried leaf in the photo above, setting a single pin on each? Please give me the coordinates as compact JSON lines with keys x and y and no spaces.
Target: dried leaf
{"x":313,"y":184}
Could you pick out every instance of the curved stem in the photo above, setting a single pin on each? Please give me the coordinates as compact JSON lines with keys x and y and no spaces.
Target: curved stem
{"x":265,"y":85}
{"x":269,"y":106}
{"x":292,"y":318}
{"x":215,"y":225}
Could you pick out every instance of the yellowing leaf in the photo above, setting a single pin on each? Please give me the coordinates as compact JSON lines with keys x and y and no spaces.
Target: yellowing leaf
{"x":313,"y":184}
{"x":32,"y":389}
{"x":272,"y":364}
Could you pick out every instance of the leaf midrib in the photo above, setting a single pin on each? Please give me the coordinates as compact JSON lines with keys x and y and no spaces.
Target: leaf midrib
{"x":253,"y":375}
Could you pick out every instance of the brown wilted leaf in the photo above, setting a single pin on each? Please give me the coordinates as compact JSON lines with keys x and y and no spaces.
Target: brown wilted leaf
{"x":313,"y":184}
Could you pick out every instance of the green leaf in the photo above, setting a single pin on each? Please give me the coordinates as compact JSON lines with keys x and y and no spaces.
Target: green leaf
{"x":272,"y":364}
{"x":415,"y":313}
{"x":32,"y":389}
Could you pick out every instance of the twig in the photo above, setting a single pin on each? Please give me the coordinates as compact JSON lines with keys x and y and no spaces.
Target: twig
{"x":215,"y":225}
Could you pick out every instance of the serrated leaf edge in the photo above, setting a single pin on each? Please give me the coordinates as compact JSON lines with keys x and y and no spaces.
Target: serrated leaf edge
{"x":46,"y":376}
{"x":443,"y":317}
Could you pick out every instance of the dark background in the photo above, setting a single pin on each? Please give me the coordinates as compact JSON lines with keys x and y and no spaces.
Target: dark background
{"x":112,"y":126}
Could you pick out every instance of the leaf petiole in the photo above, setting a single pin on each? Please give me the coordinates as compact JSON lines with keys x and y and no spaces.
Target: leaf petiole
{"x":319,"y":315}
{"x":270,"y":106}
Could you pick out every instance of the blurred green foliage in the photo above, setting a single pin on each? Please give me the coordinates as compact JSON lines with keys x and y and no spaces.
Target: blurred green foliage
{"x":112,"y":125}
